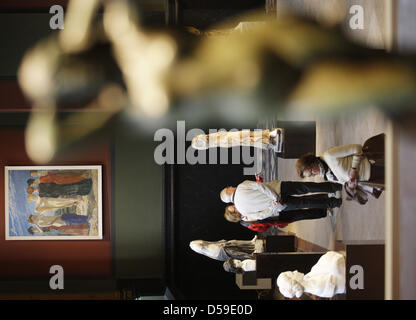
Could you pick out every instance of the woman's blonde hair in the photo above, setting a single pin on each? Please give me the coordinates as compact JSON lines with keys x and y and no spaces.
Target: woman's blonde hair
{"x":232,"y":215}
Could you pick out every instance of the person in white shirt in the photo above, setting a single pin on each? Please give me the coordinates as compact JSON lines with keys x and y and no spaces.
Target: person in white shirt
{"x":348,"y":165}
{"x":285,"y":217}
{"x":257,"y":201}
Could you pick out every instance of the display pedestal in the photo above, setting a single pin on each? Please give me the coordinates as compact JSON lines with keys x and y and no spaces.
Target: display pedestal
{"x":249,"y":281}
{"x":270,"y":265}
{"x":281,"y":243}
{"x":365,"y":259}
{"x":299,"y":138}
{"x":273,"y":245}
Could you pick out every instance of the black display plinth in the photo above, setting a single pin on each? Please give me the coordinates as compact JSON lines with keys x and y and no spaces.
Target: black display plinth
{"x":281,"y":243}
{"x":367,"y":258}
{"x":299,"y":138}
{"x":270,"y":265}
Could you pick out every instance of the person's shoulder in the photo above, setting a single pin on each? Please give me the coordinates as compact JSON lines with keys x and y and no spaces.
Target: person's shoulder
{"x":272,"y":182}
{"x":248,"y":182}
{"x":327,"y":155}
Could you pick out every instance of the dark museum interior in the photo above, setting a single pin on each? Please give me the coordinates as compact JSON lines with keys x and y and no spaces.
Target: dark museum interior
{"x":314,"y":75}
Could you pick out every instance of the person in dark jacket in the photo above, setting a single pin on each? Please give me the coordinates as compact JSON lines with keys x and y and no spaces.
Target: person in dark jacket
{"x":282,"y":220}
{"x":53,"y":190}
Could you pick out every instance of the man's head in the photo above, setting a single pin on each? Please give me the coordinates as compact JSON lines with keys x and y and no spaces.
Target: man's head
{"x":231,"y":214}
{"x":227,"y":194}
{"x":30,"y":190}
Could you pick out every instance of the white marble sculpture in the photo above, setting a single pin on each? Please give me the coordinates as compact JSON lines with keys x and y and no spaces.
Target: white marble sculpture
{"x":265,"y":139}
{"x":326,"y":278}
{"x":238,"y":255}
{"x":245,"y":265}
{"x":224,"y":249}
{"x":213,"y":250}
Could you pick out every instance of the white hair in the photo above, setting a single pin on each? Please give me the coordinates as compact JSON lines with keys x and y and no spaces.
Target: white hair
{"x":225,"y":197}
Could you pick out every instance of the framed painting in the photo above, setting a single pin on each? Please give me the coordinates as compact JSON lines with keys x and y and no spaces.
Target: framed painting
{"x":53,"y":202}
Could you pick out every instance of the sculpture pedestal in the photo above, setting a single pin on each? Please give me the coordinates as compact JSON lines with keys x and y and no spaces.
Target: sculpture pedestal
{"x":273,"y":244}
{"x":299,"y":138}
{"x":368,"y":255}
{"x":270,"y":265}
{"x":249,"y":281}
{"x":282,"y":243}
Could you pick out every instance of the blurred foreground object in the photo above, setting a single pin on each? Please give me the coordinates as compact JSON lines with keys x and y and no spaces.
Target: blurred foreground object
{"x":288,"y":64}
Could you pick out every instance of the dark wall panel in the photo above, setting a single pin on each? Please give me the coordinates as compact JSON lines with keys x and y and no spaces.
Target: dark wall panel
{"x":34,"y":258}
{"x":198,"y":213}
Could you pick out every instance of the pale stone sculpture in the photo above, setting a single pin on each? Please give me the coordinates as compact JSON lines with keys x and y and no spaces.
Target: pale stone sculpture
{"x":265,"y":139}
{"x":240,"y":266}
{"x":238,"y":255}
{"x":224,"y":249}
{"x":326,"y":278}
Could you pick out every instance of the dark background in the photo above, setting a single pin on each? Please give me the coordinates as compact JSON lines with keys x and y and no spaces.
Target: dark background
{"x":196,"y":212}
{"x":136,"y":245}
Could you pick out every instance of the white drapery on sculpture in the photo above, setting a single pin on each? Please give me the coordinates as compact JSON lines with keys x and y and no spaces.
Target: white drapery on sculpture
{"x":224,"y":249}
{"x":238,"y":255}
{"x":326,"y":278}
{"x":265,"y":139}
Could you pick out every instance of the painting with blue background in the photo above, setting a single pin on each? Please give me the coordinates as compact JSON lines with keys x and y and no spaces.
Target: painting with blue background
{"x":81,"y":217}
{"x":19,"y":207}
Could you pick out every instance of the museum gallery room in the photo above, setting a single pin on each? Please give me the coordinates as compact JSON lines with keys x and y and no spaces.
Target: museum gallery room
{"x":207,"y":150}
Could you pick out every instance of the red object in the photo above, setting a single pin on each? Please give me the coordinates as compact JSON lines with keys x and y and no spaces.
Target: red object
{"x":259,"y":179}
{"x":262,"y":227}
{"x":53,"y":178}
